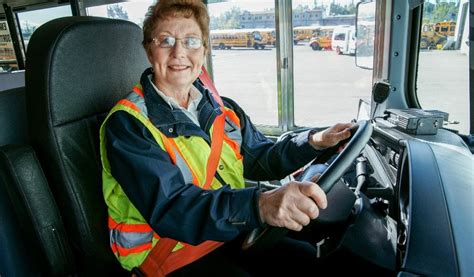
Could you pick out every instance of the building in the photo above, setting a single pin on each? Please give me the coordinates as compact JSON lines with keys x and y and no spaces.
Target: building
{"x":266,"y":19}
{"x":338,"y":20}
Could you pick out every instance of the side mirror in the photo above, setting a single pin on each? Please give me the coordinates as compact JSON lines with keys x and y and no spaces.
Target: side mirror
{"x":365,"y":34}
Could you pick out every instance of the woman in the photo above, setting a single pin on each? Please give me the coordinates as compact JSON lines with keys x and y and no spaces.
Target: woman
{"x":165,"y":186}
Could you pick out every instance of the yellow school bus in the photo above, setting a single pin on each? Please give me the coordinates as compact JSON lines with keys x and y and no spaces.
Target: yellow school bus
{"x":435,"y":35}
{"x":322,"y":38}
{"x":226,"y":39}
{"x":446,"y":28}
{"x":269,"y":36}
{"x":303,"y":33}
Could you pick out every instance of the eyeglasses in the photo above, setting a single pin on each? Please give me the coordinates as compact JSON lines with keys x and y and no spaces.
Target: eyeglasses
{"x":192,"y":43}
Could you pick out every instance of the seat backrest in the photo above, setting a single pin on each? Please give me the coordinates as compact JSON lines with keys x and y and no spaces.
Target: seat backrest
{"x":9,"y":80}
{"x":13,"y":116}
{"x":33,"y":239}
{"x":16,"y":257}
{"x":77,"y":69}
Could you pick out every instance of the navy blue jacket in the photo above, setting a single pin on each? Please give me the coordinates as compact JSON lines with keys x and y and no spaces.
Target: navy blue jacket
{"x":157,"y":189}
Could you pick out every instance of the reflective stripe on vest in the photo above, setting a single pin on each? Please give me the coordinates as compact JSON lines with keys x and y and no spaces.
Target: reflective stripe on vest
{"x":131,"y":238}
{"x":232,"y":136}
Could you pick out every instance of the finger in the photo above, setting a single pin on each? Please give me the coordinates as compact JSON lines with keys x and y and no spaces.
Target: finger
{"x":337,"y":134}
{"x":313,"y":191}
{"x":315,"y":178}
{"x":293,"y":225}
{"x":335,"y":138}
{"x":320,"y":197}
{"x":339,"y":150}
{"x":344,"y":134}
{"x":300,"y":217}
{"x":343,"y":126}
{"x":307,"y":206}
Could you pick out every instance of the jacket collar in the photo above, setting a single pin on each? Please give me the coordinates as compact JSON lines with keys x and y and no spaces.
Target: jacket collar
{"x":174,"y":122}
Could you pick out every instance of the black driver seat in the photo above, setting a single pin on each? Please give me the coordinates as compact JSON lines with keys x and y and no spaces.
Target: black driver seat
{"x":77,"y":69}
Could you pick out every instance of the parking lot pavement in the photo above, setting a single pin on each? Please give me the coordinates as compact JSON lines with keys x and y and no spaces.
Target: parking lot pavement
{"x":328,"y":86}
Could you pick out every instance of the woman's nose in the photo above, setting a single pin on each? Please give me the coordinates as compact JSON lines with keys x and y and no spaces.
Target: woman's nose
{"x":178,"y":48}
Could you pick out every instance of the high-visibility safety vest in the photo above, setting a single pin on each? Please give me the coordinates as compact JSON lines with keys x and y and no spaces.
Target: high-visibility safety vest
{"x":131,"y":238}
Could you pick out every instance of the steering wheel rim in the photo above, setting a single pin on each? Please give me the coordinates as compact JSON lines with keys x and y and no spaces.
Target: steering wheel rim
{"x":270,"y":234}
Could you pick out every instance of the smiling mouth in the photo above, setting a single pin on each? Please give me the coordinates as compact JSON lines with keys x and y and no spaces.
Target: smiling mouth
{"x":178,"y":67}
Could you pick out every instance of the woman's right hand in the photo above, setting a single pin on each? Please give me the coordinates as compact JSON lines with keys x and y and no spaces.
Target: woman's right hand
{"x":292,"y":205}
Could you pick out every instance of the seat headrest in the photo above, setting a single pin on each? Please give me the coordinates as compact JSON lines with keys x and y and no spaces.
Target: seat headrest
{"x":83,"y":64}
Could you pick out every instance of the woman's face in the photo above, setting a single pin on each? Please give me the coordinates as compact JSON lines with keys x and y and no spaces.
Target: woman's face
{"x":176,"y":68}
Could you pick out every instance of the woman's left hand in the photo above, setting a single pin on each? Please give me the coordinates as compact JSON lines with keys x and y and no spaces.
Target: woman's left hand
{"x":331,"y":136}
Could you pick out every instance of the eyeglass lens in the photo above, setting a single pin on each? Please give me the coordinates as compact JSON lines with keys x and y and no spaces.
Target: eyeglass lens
{"x":187,"y":42}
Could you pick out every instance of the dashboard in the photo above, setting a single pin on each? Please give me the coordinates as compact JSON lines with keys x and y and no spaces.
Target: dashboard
{"x":428,"y":183}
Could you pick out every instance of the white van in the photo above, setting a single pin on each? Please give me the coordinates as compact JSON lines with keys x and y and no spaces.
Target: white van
{"x":343,"y":40}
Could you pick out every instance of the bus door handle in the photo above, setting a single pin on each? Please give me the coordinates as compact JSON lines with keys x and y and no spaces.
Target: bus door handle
{"x":284,"y":64}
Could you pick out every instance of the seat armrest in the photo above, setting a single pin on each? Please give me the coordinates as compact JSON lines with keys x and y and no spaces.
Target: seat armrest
{"x":35,"y":207}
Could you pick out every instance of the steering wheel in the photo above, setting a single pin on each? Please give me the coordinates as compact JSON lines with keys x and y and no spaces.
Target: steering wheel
{"x":361,"y":134}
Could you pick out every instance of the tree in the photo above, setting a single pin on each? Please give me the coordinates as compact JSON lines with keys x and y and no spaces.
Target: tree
{"x":315,"y":4}
{"x":441,"y":11}
{"x":445,"y":11}
{"x":428,"y":9}
{"x":338,"y":9}
{"x":116,"y":11}
{"x":301,"y":8}
{"x":351,"y":8}
{"x":27,"y":30}
{"x":228,"y":20}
